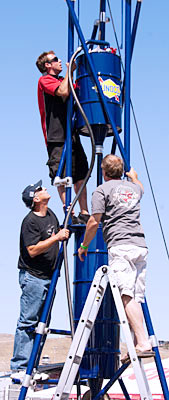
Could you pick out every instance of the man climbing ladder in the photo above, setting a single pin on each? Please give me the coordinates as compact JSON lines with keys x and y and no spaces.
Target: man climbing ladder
{"x":117,"y":204}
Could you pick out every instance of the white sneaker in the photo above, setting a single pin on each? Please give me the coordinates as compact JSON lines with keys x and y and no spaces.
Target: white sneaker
{"x":18,"y":375}
{"x":40,"y":376}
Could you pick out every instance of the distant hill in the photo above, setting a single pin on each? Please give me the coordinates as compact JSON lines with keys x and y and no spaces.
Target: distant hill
{"x":55,"y":347}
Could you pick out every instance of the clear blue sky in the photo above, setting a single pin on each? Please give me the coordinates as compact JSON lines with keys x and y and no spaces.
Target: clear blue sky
{"x":28,"y":29}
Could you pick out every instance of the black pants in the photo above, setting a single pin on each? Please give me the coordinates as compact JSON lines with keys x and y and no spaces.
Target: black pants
{"x":79,"y":159}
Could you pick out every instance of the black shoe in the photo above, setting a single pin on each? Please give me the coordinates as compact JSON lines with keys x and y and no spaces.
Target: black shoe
{"x":83,"y":218}
{"x":75,"y":220}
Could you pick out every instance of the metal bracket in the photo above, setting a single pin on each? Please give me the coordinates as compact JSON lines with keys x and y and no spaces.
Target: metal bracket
{"x":103,"y":16}
{"x":153,"y":341}
{"x":27,"y":380}
{"x":99,"y":149}
{"x":67,"y":181}
{"x":41,"y":328}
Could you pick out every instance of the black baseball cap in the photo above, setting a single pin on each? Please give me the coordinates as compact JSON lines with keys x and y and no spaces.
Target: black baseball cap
{"x":28,"y":193}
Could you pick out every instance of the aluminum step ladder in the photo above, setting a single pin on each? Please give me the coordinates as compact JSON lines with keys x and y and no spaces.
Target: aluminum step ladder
{"x":103,"y":276}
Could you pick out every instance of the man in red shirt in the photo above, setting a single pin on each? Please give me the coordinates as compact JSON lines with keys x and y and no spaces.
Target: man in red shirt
{"x":53,"y":91}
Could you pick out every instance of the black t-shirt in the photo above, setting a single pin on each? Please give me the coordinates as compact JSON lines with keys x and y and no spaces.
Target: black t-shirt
{"x":34,"y":229}
{"x":52,"y":108}
{"x":56,"y":111}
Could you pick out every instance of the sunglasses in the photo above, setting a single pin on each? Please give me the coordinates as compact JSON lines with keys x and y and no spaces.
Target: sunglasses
{"x":39,"y":189}
{"x":55,"y":59}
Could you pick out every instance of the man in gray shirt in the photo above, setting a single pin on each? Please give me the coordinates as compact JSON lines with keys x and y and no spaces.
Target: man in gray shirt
{"x":116,"y":203}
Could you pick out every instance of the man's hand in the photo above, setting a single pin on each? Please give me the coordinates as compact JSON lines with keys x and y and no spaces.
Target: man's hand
{"x":82,"y":251}
{"x":63,"y":234}
{"x":64,"y":89}
{"x":73,"y":66}
{"x":67,"y":209}
{"x":43,"y":245}
{"x":132,"y":174}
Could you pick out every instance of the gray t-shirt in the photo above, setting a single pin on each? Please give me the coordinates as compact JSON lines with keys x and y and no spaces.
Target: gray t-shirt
{"x":119,"y":202}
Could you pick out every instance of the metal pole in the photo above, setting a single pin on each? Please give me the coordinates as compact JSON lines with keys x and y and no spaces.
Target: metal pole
{"x":127,"y":79}
{"x":94,"y":33}
{"x":111,"y":381}
{"x":69,"y":113}
{"x":69,"y":164}
{"x":133,"y":36}
{"x":68,"y":290}
{"x":121,"y":46}
{"x":62,"y":162}
{"x":135,"y":24}
{"x":100,"y":92}
{"x":123,"y":388}
{"x":155,"y":348}
{"x":99,"y":170}
{"x":102,"y":20}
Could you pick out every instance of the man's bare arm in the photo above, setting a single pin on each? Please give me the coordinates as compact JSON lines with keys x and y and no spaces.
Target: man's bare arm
{"x":91,"y":229}
{"x":132,"y":174}
{"x":64,"y":89}
{"x":43,"y":245}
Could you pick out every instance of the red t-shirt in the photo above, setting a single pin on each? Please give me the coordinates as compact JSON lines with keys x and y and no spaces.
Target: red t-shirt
{"x":52,"y":109}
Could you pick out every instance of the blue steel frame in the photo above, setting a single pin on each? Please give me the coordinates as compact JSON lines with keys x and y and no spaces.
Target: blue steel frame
{"x":69,"y":113}
{"x":127,"y":80}
{"x":125,"y":151}
{"x":102,"y":37}
{"x":102,"y":19}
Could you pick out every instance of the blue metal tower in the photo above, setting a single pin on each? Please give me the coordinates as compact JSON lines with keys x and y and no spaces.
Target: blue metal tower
{"x":99,"y":92}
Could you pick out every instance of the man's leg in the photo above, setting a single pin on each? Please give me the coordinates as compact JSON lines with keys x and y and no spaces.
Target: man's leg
{"x":135,"y":317}
{"x":55,"y":153}
{"x":62,"y":194}
{"x":79,"y":172}
{"x":123,"y":261}
{"x":82,"y":198}
{"x":34,"y":292}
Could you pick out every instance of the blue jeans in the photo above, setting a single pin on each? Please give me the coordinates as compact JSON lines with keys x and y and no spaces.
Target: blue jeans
{"x":34,"y":292}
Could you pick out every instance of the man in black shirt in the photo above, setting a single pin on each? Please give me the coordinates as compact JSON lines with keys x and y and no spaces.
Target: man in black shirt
{"x":39,"y":246}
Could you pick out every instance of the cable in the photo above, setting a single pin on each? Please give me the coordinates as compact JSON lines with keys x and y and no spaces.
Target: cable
{"x":79,"y":192}
{"x":141,"y":146}
{"x":149,"y":179}
{"x":111,"y":16}
{"x":90,"y":134}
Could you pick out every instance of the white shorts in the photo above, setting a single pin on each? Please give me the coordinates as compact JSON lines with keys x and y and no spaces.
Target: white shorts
{"x":129,"y":265}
